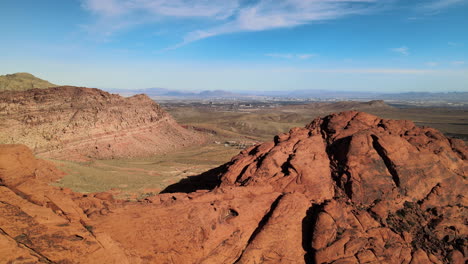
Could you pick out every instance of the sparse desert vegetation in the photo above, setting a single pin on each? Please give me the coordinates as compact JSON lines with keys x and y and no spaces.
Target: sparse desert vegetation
{"x":22,"y":81}
{"x":133,"y":178}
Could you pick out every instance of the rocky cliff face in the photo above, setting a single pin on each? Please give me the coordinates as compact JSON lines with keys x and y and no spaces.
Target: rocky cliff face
{"x":74,"y":122}
{"x":348,"y":188}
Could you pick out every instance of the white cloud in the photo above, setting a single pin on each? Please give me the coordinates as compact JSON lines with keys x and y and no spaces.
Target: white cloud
{"x":231,"y":15}
{"x":305,"y":56}
{"x":290,"y":56}
{"x":268,"y":14}
{"x":401,"y":50}
{"x":272,"y":14}
{"x":105,"y":7}
{"x":363,"y":71}
{"x":218,"y":9}
{"x":437,"y":5}
{"x":432,"y":64}
{"x":458,"y":62}
{"x":117,"y":15}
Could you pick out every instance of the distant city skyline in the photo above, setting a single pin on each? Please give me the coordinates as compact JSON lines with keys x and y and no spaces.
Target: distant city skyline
{"x":240,"y":45}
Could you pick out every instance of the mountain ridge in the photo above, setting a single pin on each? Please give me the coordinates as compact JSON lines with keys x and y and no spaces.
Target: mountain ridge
{"x":76,"y":122}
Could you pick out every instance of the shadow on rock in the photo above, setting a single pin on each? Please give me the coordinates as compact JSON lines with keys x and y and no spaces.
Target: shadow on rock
{"x":308,"y":226}
{"x":206,"y":181}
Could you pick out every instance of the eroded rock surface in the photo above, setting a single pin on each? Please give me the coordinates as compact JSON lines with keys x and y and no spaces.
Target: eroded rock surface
{"x":75,"y":122}
{"x":382,"y":190}
{"x":44,"y":224}
{"x":347,"y":188}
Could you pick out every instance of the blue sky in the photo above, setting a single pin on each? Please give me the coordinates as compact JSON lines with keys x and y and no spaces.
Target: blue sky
{"x":239,"y":45}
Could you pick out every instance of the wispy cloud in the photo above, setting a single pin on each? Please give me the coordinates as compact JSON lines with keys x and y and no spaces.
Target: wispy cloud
{"x":437,"y":5}
{"x":271,"y":14}
{"x":290,"y":56}
{"x":432,"y":64}
{"x":458,"y":63}
{"x":305,"y":56}
{"x":231,"y":16}
{"x":363,"y":71}
{"x":116,"y":15}
{"x":423,"y":9}
{"x":217,"y":9}
{"x":401,"y":50}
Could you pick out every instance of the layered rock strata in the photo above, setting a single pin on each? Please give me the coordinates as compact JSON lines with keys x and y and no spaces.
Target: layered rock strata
{"x":75,"y":122}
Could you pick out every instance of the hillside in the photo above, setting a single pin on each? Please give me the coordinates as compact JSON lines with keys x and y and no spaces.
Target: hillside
{"x":75,"y":122}
{"x":347,"y":188}
{"x":22,"y":81}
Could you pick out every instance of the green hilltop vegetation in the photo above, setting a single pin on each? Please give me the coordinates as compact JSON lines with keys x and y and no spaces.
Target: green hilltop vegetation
{"x":22,"y":81}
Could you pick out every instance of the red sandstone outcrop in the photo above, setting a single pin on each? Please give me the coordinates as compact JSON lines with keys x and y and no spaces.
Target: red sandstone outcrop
{"x":348,"y":188}
{"x":382,"y":190}
{"x":75,"y":122}
{"x":44,"y":224}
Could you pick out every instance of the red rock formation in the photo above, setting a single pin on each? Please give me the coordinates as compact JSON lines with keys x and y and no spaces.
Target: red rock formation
{"x":394,"y":192}
{"x":74,"y":122}
{"x":43,"y":224}
{"x":348,"y":188}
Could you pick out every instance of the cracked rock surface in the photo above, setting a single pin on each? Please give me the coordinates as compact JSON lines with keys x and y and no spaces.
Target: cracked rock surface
{"x":347,"y":188}
{"x":381,"y":190}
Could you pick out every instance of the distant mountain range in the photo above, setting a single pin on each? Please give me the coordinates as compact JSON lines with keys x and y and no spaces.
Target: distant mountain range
{"x":426,"y":96}
{"x":300,"y":94}
{"x":25,"y":81}
{"x":22,"y":81}
{"x":162,"y":92}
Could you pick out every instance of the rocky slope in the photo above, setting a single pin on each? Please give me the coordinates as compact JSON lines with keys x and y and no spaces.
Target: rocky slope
{"x":348,"y":188}
{"x":381,"y":190}
{"x":44,"y":224}
{"x":22,"y":81}
{"x":75,"y":122}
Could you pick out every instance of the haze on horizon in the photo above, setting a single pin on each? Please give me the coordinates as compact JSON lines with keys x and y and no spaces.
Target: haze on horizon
{"x":240,"y":45}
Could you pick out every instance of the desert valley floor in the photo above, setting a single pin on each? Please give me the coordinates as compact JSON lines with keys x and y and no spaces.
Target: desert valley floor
{"x":229,"y":130}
